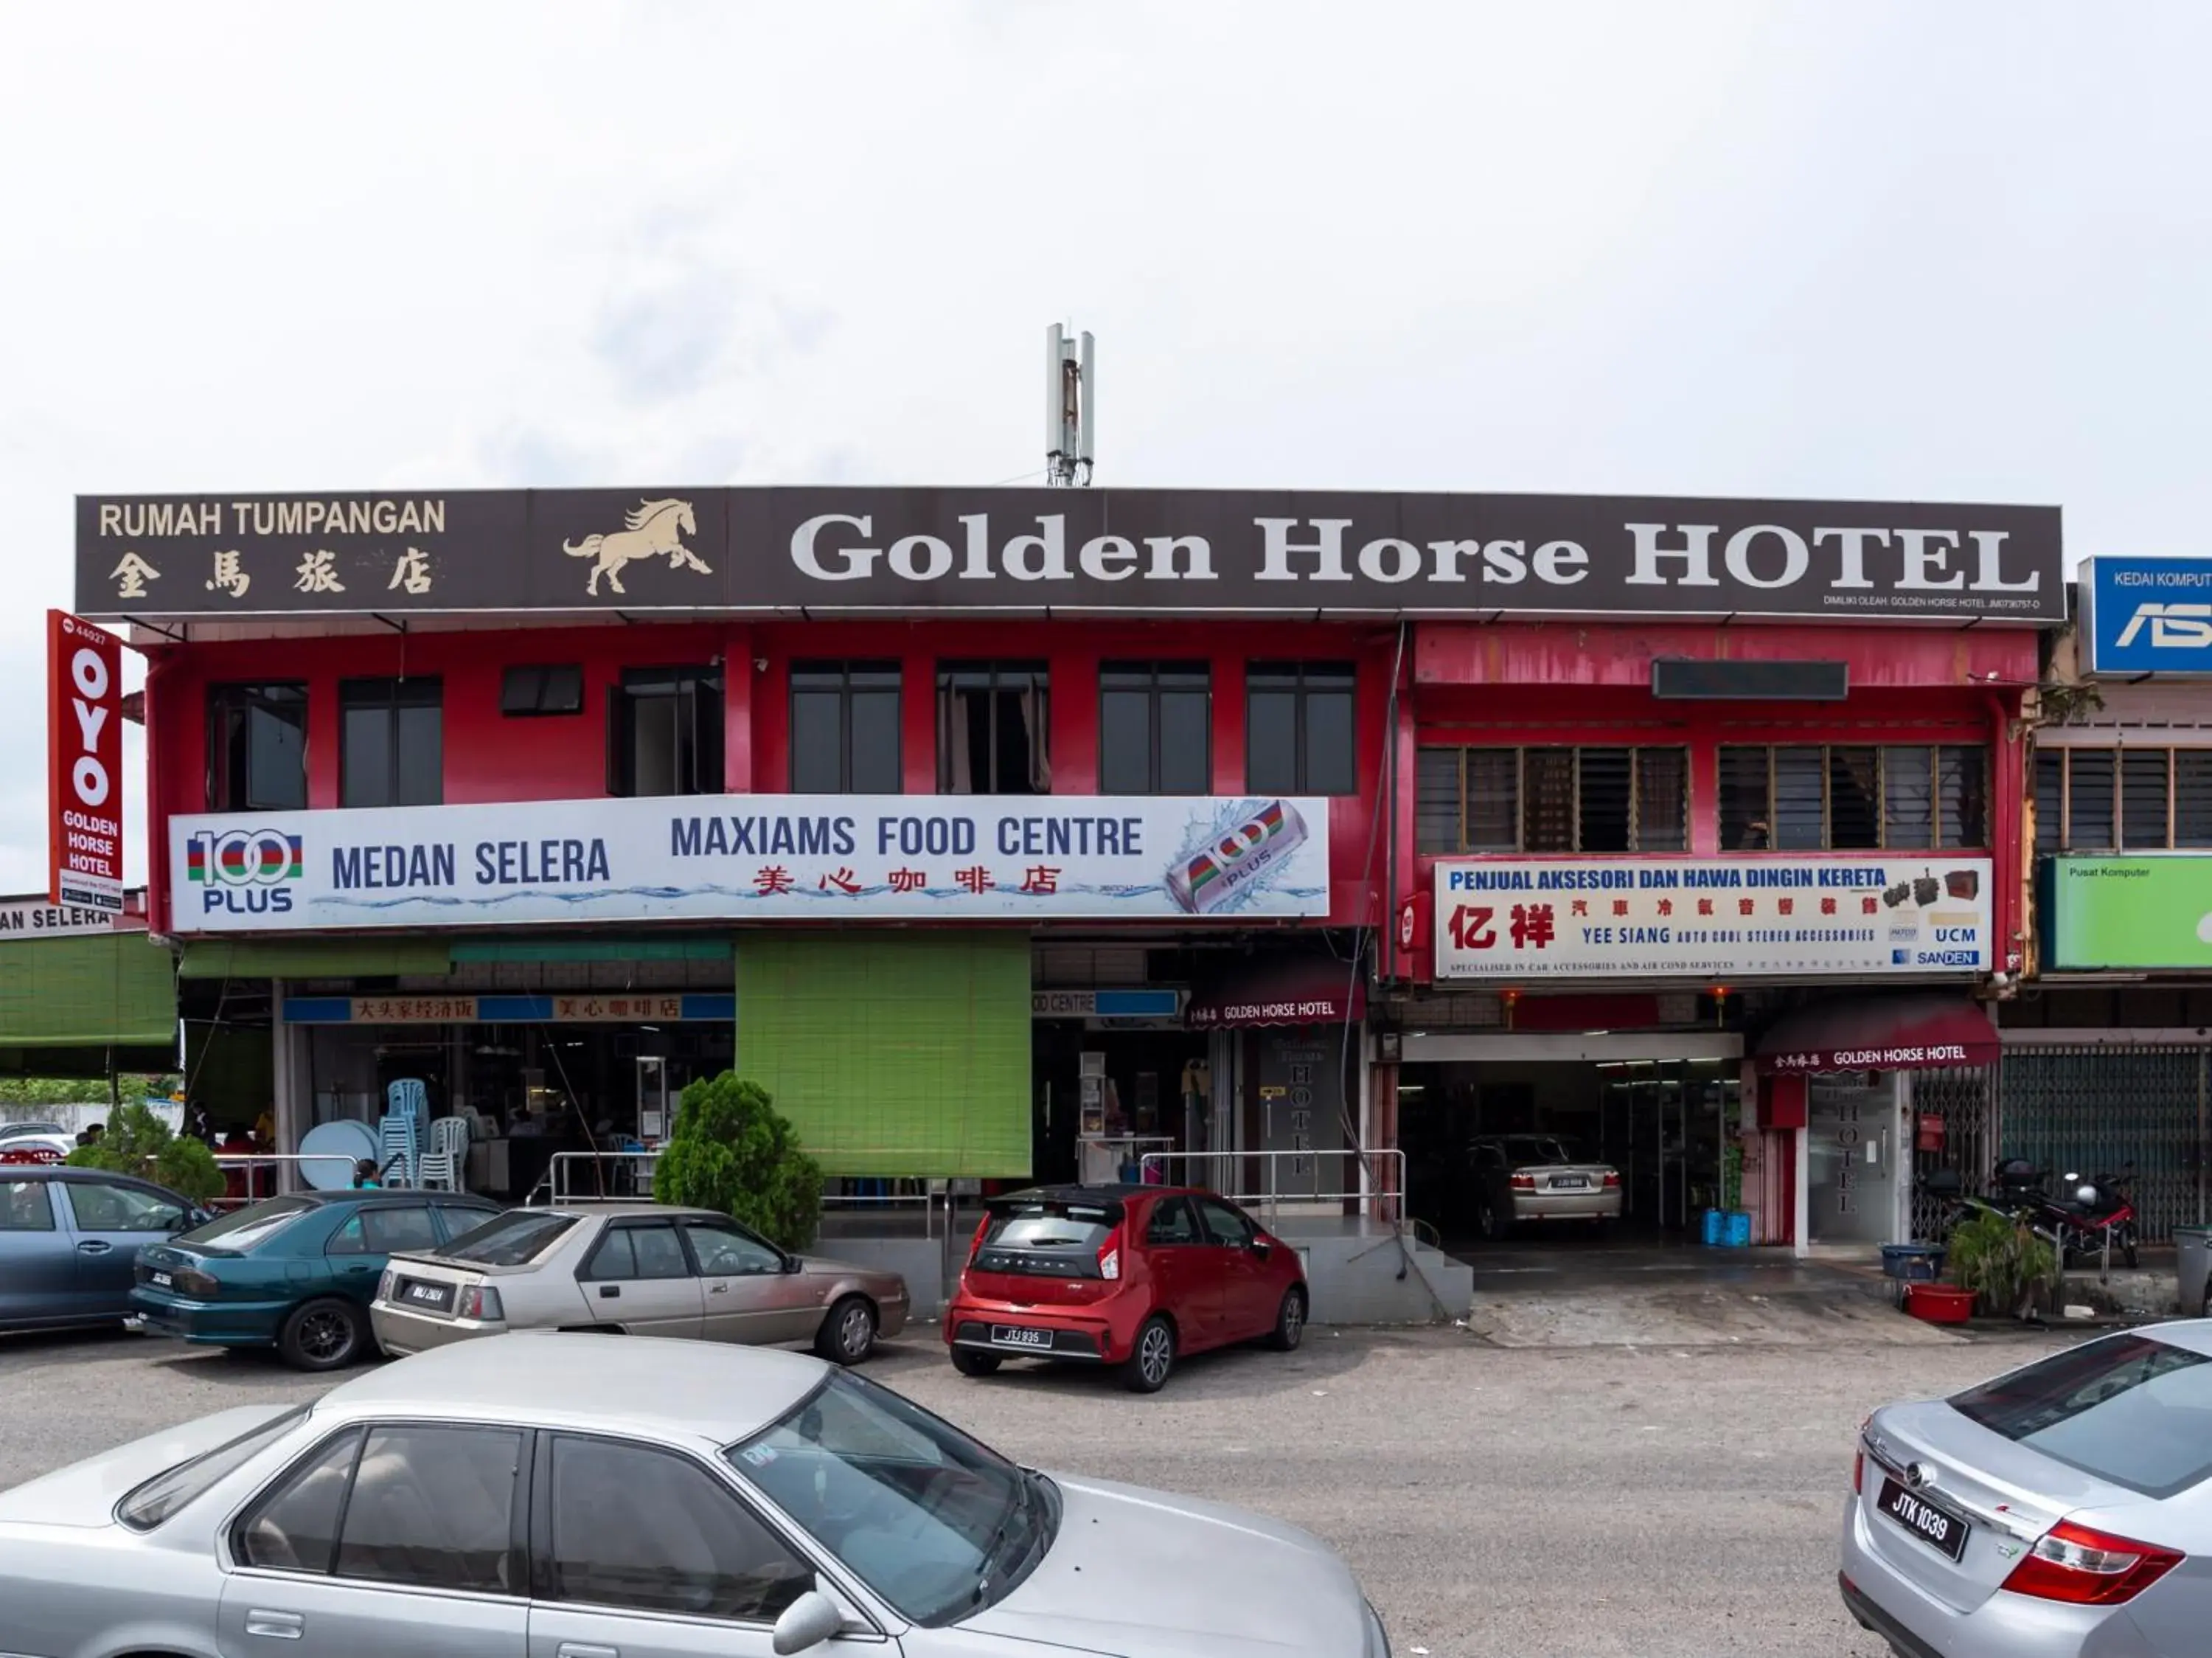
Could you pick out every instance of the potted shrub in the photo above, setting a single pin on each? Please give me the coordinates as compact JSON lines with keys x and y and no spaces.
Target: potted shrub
{"x":137,"y":1142}
{"x":2001,"y":1264}
{"x":732,"y":1150}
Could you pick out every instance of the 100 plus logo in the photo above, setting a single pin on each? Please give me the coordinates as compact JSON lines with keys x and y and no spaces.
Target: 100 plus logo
{"x":244,"y":871}
{"x":2172,"y":627}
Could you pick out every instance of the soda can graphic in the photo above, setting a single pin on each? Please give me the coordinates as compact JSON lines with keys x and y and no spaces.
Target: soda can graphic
{"x":1209,"y":878}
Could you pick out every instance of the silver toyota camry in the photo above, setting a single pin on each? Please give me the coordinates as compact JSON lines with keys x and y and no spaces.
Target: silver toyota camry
{"x":545,"y":1493}
{"x":639,"y":1270}
{"x":2061,"y":1511}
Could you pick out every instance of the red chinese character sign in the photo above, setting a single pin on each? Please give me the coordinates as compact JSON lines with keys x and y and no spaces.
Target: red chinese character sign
{"x":84,"y":764}
{"x":1874,"y":914}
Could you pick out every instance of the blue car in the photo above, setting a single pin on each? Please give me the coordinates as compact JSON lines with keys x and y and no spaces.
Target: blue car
{"x":69,"y":1239}
{"x":296,"y":1273}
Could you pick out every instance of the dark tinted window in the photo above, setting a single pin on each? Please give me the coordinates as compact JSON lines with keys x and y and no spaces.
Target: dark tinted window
{"x":2089,"y":800}
{"x":1053,"y":1227}
{"x":390,"y":1231}
{"x":26,"y":1206}
{"x":296,"y":1527}
{"x":1299,"y":737}
{"x":1171,"y":1223}
{"x":665,"y":732}
{"x":648,"y":1531}
{"x":434,"y":1508}
{"x":529,"y":690}
{"x":2050,"y":800}
{"x":102,"y":1207}
{"x":2128,"y":1409}
{"x":390,"y":742}
{"x":167,"y":1492}
{"x":845,"y":728}
{"x":242,"y":1229}
{"x":724,"y":1249}
{"x":257,"y":747}
{"x":505,"y":1240}
{"x":639,"y":1252}
{"x":1223,"y":1225}
{"x":994,"y":729}
{"x":1155,"y":728}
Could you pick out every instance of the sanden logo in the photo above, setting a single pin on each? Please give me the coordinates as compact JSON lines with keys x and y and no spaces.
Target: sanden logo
{"x":2172,"y":627}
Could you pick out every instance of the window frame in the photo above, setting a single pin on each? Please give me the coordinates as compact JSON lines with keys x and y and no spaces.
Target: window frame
{"x":534,"y":707}
{"x":45,"y":1190}
{"x":414,"y":691}
{"x":1001,"y":675}
{"x":845,"y":671}
{"x":1147,"y":676}
{"x":2054,"y":839}
{"x":1302,"y":689}
{"x":693,"y":686}
{"x":542,"y":1582}
{"x":1933,"y":747}
{"x":247,"y":698}
{"x":1520,"y":752}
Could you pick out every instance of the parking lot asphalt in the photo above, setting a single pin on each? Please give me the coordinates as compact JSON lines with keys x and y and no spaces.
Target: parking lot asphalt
{"x":1651,"y":1502}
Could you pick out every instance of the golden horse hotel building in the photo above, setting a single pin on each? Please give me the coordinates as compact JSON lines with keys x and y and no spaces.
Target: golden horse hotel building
{"x":1291,"y":842}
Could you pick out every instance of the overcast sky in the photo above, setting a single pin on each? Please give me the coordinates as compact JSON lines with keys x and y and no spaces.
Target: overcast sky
{"x":1882,"y":252}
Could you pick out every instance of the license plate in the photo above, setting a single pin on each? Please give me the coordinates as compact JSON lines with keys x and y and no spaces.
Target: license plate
{"x":1571,"y":1183}
{"x":1003,"y":1335}
{"x":159,"y":1280}
{"x":1939,"y":1528}
{"x":439,"y":1295}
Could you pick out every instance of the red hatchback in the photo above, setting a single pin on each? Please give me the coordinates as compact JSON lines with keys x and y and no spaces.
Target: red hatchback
{"x":1124,"y":1275}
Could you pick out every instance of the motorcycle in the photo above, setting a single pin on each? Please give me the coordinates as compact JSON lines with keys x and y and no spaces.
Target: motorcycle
{"x":2093,"y":1219}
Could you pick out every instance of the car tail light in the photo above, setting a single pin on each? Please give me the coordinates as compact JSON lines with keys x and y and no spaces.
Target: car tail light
{"x":189,"y":1282}
{"x":386,"y":1285}
{"x":1858,"y":1472}
{"x":976,"y":1243}
{"x":479,"y":1302}
{"x":1524,"y":1183}
{"x":1613,"y":1180}
{"x":1110,"y":1256}
{"x":2085,"y":1568}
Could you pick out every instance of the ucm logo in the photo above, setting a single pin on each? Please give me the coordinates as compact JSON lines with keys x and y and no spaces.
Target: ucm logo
{"x":2172,"y":627}
{"x":243,"y":857}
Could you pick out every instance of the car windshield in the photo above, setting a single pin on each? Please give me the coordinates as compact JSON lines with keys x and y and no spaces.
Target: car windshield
{"x":932,"y":1521}
{"x":151,"y":1503}
{"x":1538,"y":1151}
{"x":2130,"y":1409}
{"x":510,"y":1240}
{"x":242,"y":1229}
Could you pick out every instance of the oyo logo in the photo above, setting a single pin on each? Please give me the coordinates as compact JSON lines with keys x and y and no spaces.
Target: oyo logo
{"x":2172,"y":627}
{"x":244,"y":871}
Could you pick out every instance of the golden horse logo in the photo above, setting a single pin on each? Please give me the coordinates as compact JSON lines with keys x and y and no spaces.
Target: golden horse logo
{"x":656,"y":531}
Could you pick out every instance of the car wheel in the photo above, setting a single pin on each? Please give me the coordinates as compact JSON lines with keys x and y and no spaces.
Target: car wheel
{"x":1145,"y":1370}
{"x":322,"y":1335}
{"x":849,"y":1335}
{"x":1290,"y":1321}
{"x":975,"y":1364}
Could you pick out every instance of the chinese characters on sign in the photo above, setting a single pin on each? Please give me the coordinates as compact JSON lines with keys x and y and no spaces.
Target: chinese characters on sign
{"x":1872,"y":913}
{"x":580,"y":1009}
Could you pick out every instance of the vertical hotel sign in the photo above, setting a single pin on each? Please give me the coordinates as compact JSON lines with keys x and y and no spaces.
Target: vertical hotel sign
{"x":84,"y":764}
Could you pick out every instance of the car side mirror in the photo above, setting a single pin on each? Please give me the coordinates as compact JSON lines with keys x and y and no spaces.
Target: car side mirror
{"x":806,"y":1623}
{"x":1262,"y":1248}
{"x":793,"y":1264}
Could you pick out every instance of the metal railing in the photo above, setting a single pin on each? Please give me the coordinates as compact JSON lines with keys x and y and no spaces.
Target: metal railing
{"x":615,"y":1176}
{"x":1268,"y":1182}
{"x":251,"y":1164}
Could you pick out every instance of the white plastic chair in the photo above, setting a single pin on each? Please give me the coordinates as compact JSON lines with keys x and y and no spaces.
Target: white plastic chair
{"x":442,"y":1158}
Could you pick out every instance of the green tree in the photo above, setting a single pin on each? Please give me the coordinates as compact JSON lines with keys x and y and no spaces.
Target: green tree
{"x":732,"y":1150}
{"x":137,"y":1142}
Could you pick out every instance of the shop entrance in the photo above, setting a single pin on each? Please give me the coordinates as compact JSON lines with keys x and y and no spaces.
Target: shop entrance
{"x":1666,"y":1125}
{"x":1102,"y":1098}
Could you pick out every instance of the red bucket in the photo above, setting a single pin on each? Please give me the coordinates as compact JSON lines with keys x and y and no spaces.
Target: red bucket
{"x":1939,"y":1303}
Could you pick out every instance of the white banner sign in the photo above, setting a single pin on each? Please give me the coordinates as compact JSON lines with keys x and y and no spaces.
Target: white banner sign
{"x":821,"y":857}
{"x":1722,"y":919}
{"x":33,"y":918}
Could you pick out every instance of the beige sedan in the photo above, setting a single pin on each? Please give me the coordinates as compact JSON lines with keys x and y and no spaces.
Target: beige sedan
{"x":633,"y":1269}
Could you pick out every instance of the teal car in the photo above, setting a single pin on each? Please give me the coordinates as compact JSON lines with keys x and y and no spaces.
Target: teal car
{"x":295,"y":1273}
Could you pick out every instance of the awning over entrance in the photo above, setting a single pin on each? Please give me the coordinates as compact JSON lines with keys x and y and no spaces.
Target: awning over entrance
{"x":1287,"y":991}
{"x":1880,"y":1033}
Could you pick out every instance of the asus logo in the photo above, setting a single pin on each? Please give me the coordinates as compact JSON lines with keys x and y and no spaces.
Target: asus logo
{"x":2174,"y":626}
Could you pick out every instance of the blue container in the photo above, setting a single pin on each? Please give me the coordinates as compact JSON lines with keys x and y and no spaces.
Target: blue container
{"x":1913,"y":1262}
{"x":1737,"y":1232}
{"x":1715,"y":1229}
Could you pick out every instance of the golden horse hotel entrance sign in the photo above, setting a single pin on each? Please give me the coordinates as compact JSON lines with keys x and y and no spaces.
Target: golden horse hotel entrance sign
{"x":831,"y":550}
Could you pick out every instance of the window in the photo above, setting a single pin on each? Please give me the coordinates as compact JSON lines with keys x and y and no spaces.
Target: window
{"x":647,"y":1531}
{"x":845,"y":728}
{"x":1223,"y":1225}
{"x":1807,"y":797}
{"x":169,"y":1492}
{"x":724,"y":1250}
{"x":1171,"y":1223}
{"x":1299,"y":736}
{"x":2098,"y":800}
{"x":514,"y":1239}
{"x":2130,"y":1409}
{"x":993,"y":721}
{"x":433,"y":1508}
{"x":649,"y":1251}
{"x":1551,"y":799}
{"x":295,"y":1526}
{"x":525,"y":691}
{"x":1155,"y":728}
{"x":26,"y":1206}
{"x":257,"y":748}
{"x":665,"y":732}
{"x":99,"y":1207}
{"x":395,"y":1231}
{"x":390,"y":741}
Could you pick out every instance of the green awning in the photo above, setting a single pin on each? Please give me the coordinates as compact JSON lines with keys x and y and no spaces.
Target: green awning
{"x":898,"y":1055}
{"x":99,"y":990}
{"x":316,"y":958}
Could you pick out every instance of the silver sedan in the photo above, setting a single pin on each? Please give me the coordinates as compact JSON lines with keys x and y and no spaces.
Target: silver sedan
{"x":633,"y":1269}
{"x":2061,"y":1511}
{"x":550,"y":1494}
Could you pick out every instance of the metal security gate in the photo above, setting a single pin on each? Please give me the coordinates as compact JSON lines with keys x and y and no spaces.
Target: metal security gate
{"x":1963,"y":1100}
{"x":2097,"y":1110}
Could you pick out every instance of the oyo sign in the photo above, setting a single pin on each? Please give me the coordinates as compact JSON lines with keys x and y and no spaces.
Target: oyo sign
{"x":84,"y":764}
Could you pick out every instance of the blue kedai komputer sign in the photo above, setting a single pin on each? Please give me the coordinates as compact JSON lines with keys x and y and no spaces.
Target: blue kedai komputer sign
{"x":2146,"y":615}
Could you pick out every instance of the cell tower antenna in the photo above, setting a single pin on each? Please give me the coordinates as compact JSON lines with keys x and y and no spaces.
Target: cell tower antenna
{"x":1071,"y":417}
